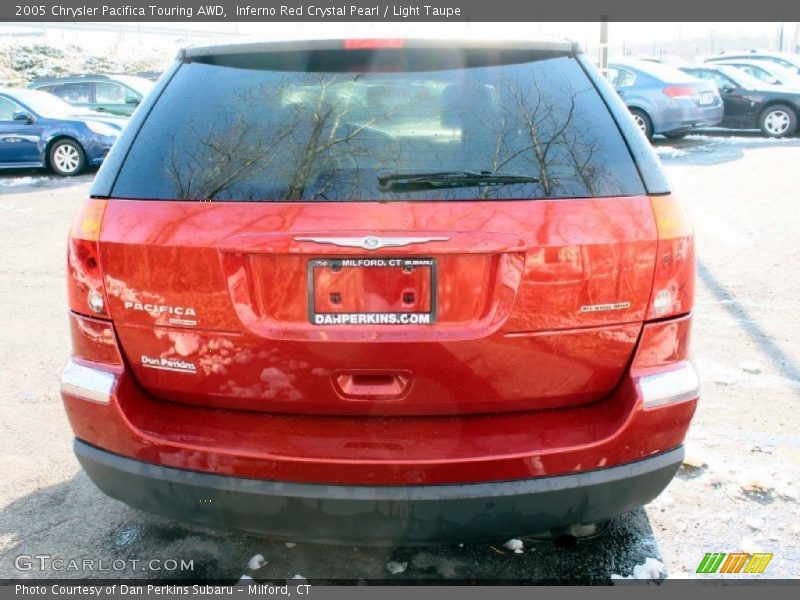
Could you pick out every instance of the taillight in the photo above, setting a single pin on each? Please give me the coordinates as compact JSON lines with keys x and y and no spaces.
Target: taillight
{"x":673,"y":283}
{"x":663,"y":366}
{"x":679,"y":91}
{"x":372,"y":44}
{"x":84,"y":277}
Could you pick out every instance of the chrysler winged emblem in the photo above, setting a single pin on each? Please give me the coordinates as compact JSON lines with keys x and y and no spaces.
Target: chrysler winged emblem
{"x":371,"y":242}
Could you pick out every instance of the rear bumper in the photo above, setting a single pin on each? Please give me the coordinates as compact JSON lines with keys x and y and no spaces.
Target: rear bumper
{"x":380,"y":515}
{"x":686,"y":116}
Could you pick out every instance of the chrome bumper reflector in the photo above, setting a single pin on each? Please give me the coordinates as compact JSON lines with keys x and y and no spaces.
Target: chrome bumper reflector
{"x":677,"y":385}
{"x":87,"y":382}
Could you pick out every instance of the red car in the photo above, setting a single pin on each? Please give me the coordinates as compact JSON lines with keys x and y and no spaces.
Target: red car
{"x":382,"y":291}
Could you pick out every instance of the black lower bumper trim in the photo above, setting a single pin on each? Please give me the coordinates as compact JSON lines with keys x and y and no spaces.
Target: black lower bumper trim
{"x":380,"y":515}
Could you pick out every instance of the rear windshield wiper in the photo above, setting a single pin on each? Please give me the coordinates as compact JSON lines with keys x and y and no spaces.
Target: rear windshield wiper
{"x":431,"y":180}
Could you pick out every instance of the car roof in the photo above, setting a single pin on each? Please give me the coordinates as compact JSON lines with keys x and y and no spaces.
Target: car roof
{"x":761,"y":64}
{"x":664,"y":72}
{"x":752,"y":52}
{"x":24,"y":95}
{"x":85,"y":77}
{"x":556,"y":46}
{"x":18,"y":92}
{"x":744,"y":61}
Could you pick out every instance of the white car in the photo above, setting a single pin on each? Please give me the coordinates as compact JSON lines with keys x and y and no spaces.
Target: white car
{"x":788,"y":60}
{"x":766,"y":71}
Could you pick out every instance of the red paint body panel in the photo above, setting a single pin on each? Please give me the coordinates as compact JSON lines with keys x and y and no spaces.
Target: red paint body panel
{"x":513,"y":380}
{"x":380,"y":451}
{"x":509,"y":333}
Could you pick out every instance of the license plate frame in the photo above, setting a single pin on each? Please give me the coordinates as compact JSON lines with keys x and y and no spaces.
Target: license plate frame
{"x":322,"y":319}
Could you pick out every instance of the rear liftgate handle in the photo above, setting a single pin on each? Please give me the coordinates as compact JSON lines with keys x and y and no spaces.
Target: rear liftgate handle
{"x":372,"y":385}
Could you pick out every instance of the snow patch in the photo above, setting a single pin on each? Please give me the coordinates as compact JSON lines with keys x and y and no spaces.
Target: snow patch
{"x":757,"y":481}
{"x":754,"y":523}
{"x":786,"y":490}
{"x":516,"y":545}
{"x":749,"y":545}
{"x":695,"y":457}
{"x":750,"y":366}
{"x":256,"y":562}
{"x":290,"y":544}
{"x":20,"y":181}
{"x":651,"y":568}
{"x":395,"y":567}
{"x":669,"y":152}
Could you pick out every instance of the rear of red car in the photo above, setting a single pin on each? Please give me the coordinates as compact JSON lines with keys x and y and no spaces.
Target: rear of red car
{"x":381,"y":291}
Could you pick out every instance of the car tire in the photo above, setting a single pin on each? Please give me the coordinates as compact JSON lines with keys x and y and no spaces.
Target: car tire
{"x":778,"y":121}
{"x":67,"y":158}
{"x":643,"y":122}
{"x":675,"y":135}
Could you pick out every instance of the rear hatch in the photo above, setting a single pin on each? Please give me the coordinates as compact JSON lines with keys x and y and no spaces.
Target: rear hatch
{"x":358,"y":229}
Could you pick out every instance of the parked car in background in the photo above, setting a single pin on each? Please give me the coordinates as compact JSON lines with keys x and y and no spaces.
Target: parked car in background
{"x":348,"y":293}
{"x":664,"y":59}
{"x":115,"y":94}
{"x":664,"y":100}
{"x":766,"y":71}
{"x":750,"y":103}
{"x":788,"y":60}
{"x":39,"y":130}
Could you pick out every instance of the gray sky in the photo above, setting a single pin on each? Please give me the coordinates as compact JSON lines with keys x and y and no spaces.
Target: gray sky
{"x":587,"y":34}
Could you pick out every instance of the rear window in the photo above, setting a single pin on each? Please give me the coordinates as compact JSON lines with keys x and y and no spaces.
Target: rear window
{"x":310,"y":127}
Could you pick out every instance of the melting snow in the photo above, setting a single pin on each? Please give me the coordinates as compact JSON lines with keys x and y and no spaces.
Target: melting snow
{"x":669,"y":152}
{"x":749,"y":546}
{"x":515,"y":545}
{"x":19,"y":181}
{"x":754,"y":523}
{"x":695,"y":457}
{"x":757,"y":480}
{"x":256,"y":562}
{"x":396,"y":567}
{"x":749,"y":366}
{"x":651,"y":569}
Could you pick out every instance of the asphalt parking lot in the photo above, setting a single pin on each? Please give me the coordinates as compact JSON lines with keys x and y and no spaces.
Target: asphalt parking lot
{"x":739,"y":491}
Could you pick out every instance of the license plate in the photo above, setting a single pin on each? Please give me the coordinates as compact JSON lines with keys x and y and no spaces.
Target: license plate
{"x":372,"y":291}
{"x":707,"y":98}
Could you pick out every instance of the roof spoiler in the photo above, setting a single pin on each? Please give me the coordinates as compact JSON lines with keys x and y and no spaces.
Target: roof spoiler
{"x":554,"y":47}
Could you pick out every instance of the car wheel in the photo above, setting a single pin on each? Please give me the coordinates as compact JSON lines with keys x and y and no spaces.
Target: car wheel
{"x":675,"y":135}
{"x":67,"y":158}
{"x":778,"y":120}
{"x":643,"y":122}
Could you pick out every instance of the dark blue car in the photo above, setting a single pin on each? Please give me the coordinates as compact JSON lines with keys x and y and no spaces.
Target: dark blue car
{"x":40,"y":130}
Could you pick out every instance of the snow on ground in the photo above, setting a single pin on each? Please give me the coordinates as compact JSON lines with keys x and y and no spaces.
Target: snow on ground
{"x":729,"y":136}
{"x":21,"y":181}
{"x":652,"y":568}
{"x":669,"y":151}
{"x":395,"y":568}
